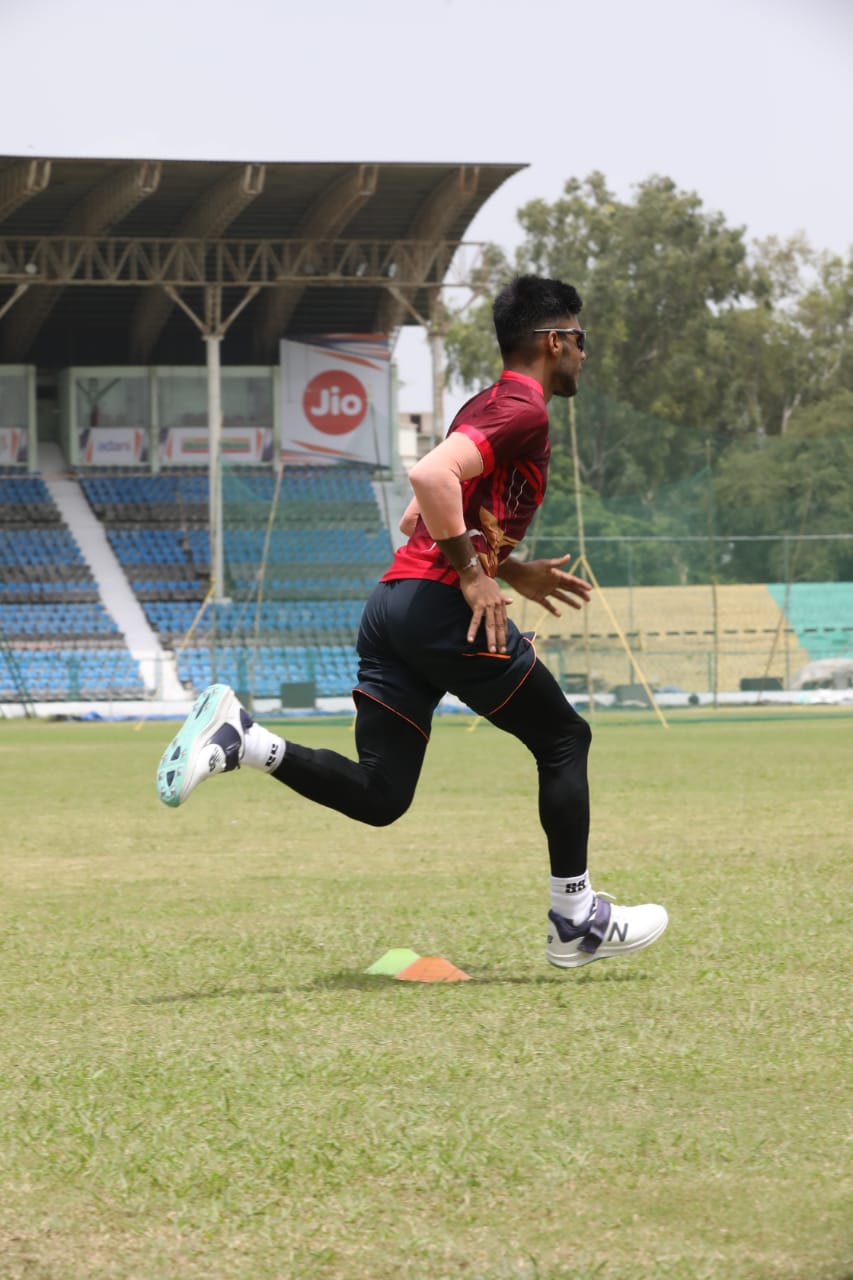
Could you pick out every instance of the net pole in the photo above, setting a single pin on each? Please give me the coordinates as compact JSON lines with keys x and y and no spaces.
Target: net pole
{"x":377,"y":455}
{"x":784,"y":608}
{"x":625,"y":645}
{"x":712,"y":574}
{"x":581,"y":550}
{"x":715,"y":664}
{"x":261,"y":576}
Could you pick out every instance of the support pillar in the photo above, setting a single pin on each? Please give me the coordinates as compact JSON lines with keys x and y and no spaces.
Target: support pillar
{"x":214,"y":426}
{"x":213,"y":329}
{"x":436,"y":347}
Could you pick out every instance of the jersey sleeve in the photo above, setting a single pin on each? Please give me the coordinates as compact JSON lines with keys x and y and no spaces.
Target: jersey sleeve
{"x":511,"y":427}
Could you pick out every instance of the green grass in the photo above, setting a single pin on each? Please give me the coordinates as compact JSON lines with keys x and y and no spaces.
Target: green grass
{"x":199,"y":1082}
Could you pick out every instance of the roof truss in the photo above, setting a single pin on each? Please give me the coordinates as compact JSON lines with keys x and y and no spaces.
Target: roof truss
{"x":336,"y":207}
{"x":184,"y":263}
{"x":105,"y":205}
{"x":214,"y":211}
{"x":298,"y":247}
{"x":21,"y":183}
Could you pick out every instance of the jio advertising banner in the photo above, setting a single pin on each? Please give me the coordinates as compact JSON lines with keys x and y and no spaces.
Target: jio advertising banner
{"x":336,"y":399}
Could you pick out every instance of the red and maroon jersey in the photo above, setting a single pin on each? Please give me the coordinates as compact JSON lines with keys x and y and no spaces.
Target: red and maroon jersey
{"x":508,"y":422}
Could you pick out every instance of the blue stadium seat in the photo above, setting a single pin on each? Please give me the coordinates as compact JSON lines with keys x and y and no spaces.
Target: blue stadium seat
{"x":821,"y":614}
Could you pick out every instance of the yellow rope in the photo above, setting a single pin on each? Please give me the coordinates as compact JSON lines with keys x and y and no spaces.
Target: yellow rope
{"x":583,"y":563}
{"x":588,"y":569}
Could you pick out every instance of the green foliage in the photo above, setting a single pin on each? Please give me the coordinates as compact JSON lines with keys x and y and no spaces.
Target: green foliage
{"x":695,"y":338}
{"x":653,"y":273}
{"x":790,"y":347}
{"x":650,"y":271}
{"x":799,"y":483}
{"x":199,"y":1080}
{"x":832,"y":416}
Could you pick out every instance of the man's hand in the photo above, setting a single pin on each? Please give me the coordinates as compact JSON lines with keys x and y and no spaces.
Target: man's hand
{"x":545,"y":581}
{"x":487,"y":603}
{"x":437,"y":481}
{"x":410,"y":518}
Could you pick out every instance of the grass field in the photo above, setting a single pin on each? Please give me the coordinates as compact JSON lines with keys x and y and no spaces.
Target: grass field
{"x":199,"y":1082}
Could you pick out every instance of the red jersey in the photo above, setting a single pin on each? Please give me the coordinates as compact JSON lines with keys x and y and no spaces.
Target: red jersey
{"x":508,"y":422}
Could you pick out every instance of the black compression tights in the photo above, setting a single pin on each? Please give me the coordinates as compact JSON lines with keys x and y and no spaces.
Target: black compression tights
{"x":378,"y":788}
{"x":540,"y":717}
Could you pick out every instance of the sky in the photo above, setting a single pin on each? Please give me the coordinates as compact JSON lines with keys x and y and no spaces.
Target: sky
{"x":749,"y":103}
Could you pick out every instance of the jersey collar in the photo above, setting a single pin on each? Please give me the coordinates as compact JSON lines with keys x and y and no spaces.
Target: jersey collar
{"x":509,"y":375}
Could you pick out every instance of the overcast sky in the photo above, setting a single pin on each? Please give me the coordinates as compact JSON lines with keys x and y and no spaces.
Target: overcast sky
{"x":747,"y":102}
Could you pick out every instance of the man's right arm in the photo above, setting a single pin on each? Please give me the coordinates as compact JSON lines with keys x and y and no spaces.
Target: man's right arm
{"x":437,"y":482}
{"x":409,"y":518}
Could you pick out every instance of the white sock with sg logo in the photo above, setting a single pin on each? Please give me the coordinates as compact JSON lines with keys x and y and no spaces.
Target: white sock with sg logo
{"x":264,"y":750}
{"x":571,"y":897}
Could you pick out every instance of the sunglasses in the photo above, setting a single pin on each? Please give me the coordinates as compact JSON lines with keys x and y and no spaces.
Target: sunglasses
{"x":580,"y":335}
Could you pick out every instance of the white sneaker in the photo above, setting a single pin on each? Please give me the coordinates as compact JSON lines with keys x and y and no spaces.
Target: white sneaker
{"x":210,"y":741}
{"x":608,"y":930}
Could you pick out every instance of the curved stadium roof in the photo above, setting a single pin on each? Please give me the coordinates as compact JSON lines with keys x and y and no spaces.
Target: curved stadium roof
{"x":100,"y":259}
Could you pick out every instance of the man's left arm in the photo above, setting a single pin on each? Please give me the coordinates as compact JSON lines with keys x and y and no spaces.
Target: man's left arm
{"x":545,"y":581}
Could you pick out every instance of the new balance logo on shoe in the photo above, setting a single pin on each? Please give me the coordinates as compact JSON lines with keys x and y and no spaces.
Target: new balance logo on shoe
{"x":608,"y":931}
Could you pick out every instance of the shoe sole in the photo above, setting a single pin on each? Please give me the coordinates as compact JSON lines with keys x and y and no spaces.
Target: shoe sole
{"x":604,"y":952}
{"x":210,"y":711}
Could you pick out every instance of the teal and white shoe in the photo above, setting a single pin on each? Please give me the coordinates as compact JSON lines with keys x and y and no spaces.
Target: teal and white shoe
{"x":210,"y":741}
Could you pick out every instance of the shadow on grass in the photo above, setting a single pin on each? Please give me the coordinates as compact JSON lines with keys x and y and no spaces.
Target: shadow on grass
{"x":212,"y":993}
{"x":331,"y":982}
{"x":346,"y":980}
{"x":366,"y":982}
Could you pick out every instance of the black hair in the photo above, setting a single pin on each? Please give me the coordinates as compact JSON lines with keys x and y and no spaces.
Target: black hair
{"x":531,"y":302}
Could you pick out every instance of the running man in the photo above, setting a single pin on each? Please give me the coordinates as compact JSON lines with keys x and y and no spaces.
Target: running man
{"x":437,"y":622}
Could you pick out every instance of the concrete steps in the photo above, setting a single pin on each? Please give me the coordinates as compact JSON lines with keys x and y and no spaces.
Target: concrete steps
{"x":156,"y":665}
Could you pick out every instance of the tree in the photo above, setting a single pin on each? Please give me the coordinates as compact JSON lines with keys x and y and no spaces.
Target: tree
{"x":796,"y":487}
{"x":696,"y":342}
{"x":790,"y":345}
{"x":655,"y":272}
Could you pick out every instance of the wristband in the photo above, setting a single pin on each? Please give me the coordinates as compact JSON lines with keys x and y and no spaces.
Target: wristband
{"x":473,"y":563}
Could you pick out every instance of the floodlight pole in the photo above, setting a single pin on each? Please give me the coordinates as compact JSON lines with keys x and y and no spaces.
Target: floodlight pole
{"x":213,"y":329}
{"x":214,"y":427}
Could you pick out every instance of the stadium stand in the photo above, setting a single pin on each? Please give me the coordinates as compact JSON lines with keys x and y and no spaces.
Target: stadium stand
{"x":57,"y":641}
{"x":301,"y":555}
{"x":821,"y":614}
{"x":295,"y":621}
{"x":355,"y":248}
{"x":300,"y":559}
{"x":65,"y":674}
{"x":263,"y":670}
{"x":26,"y":501}
{"x":80,"y":621}
{"x":673,"y":635}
